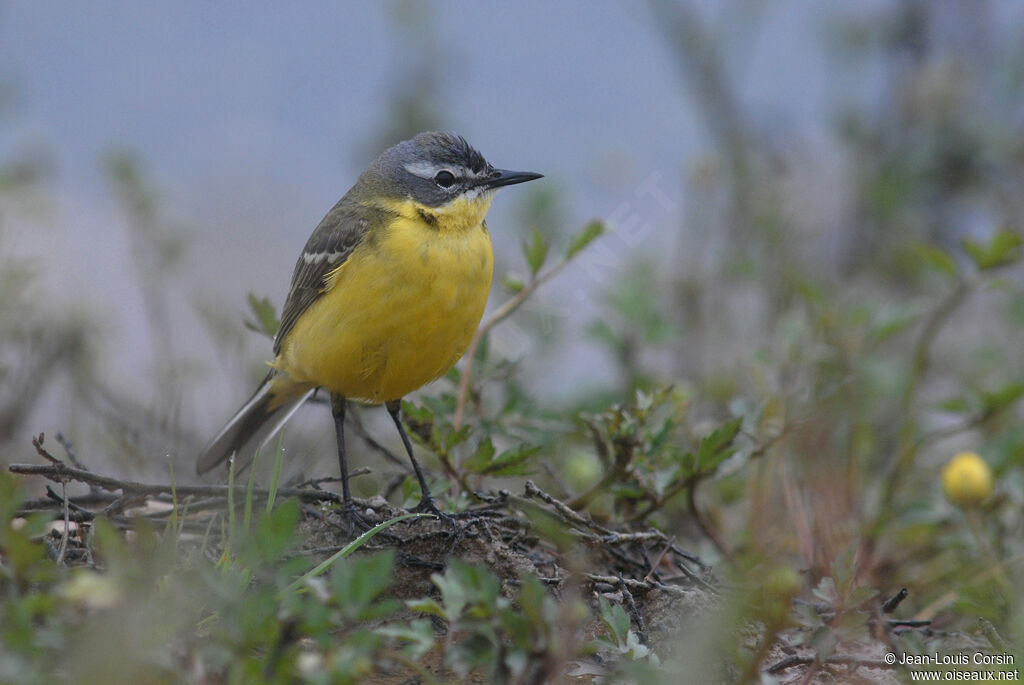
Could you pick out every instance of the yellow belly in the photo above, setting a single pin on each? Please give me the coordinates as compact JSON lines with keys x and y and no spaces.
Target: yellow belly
{"x":396,"y":315}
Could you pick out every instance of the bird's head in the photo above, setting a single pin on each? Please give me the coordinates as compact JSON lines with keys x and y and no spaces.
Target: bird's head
{"x":439,"y":173}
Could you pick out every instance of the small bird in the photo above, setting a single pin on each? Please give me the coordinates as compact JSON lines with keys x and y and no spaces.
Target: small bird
{"x":385,"y":297}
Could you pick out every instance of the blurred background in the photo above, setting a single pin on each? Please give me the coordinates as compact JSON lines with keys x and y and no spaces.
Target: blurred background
{"x":812,"y":213}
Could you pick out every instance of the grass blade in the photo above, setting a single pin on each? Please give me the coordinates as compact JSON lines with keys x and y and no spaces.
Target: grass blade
{"x":351,"y":547}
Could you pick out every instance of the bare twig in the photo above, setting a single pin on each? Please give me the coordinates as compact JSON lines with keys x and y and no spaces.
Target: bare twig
{"x":69,"y":450}
{"x":67,"y":525}
{"x":641,"y":629}
{"x":315,"y":483}
{"x":635,"y":585}
{"x":499,"y":315}
{"x":92,"y":499}
{"x":921,"y":623}
{"x":791,"y":661}
{"x":890,"y":604}
{"x":59,"y":472}
{"x":614,"y":474}
{"x":920,"y":362}
{"x":37,"y":442}
{"x":705,"y":525}
{"x":531,"y":490}
{"x":608,"y":541}
{"x":657,"y":560}
{"x":356,"y":422}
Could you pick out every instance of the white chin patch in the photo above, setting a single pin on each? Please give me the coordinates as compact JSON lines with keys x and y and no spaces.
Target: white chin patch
{"x":478,"y":192}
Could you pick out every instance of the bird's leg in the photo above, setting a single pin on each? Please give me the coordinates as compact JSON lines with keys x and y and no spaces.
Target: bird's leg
{"x":348,"y":507}
{"x":427,"y":502}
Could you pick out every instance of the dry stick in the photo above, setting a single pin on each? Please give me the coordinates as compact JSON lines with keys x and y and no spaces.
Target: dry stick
{"x":655,"y":504}
{"x":705,"y":525}
{"x":76,"y":502}
{"x":612,"y":475}
{"x":37,"y":442}
{"x":920,"y":361}
{"x":608,"y":537}
{"x":564,"y":512}
{"x":315,"y":483}
{"x":890,"y":604}
{"x":499,"y":315}
{"x":52,"y":497}
{"x":118,"y":506}
{"x":641,"y":629}
{"x":61,"y":473}
{"x":633,"y":584}
{"x":790,"y":661}
{"x":657,"y":560}
{"x":69,"y":450}
{"x":603,"y":535}
{"x":355,"y":421}
{"x":67,"y":525}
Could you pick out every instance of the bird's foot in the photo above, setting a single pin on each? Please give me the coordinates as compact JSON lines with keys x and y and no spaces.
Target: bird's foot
{"x":357,"y":522}
{"x":429,"y":506}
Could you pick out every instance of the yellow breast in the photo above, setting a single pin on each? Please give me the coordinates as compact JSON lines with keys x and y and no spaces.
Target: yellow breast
{"x":402,"y":308}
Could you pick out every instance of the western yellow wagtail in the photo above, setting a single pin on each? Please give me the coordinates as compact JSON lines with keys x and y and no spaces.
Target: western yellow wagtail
{"x":385,"y":297}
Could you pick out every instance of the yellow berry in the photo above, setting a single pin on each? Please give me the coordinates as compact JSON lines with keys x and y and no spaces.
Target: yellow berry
{"x":967,"y":479}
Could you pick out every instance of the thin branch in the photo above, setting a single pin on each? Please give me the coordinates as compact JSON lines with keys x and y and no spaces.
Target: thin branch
{"x":531,"y":490}
{"x":890,"y":604}
{"x":920,"y":361}
{"x":355,"y":421}
{"x":499,"y":315}
{"x":635,"y":585}
{"x":69,"y":450}
{"x":37,"y":442}
{"x":62,"y":473}
{"x":657,"y":560}
{"x":614,"y":474}
{"x":791,"y":661}
{"x":67,"y":525}
{"x":705,"y":525}
{"x":641,"y":629}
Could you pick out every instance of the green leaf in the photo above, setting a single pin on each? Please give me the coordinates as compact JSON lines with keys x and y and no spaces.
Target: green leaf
{"x":415,"y":414}
{"x":935,"y":258}
{"x":616,"y":620}
{"x":357,"y":583}
{"x":579,"y":241}
{"x":513,"y":283}
{"x":482,"y":458}
{"x":274,"y":534}
{"x":11,"y":497}
{"x":264,"y":316}
{"x":512,"y":462}
{"x":1003,"y":249}
{"x":535,"y":250}
{"x":426,"y":605}
{"x":956,"y":405}
{"x":1003,"y":397}
{"x":861,"y":595}
{"x":886,"y":328}
{"x":419,"y":633}
{"x":453,"y":596}
{"x":509,"y":463}
{"x":454,"y":438}
{"x":717,"y":447}
{"x":826,"y":591}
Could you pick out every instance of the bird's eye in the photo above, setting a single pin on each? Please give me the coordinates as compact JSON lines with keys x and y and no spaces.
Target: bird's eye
{"x":445,"y":179}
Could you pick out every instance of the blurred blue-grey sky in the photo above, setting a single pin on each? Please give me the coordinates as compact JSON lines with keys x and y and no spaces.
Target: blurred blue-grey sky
{"x":253,"y":118}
